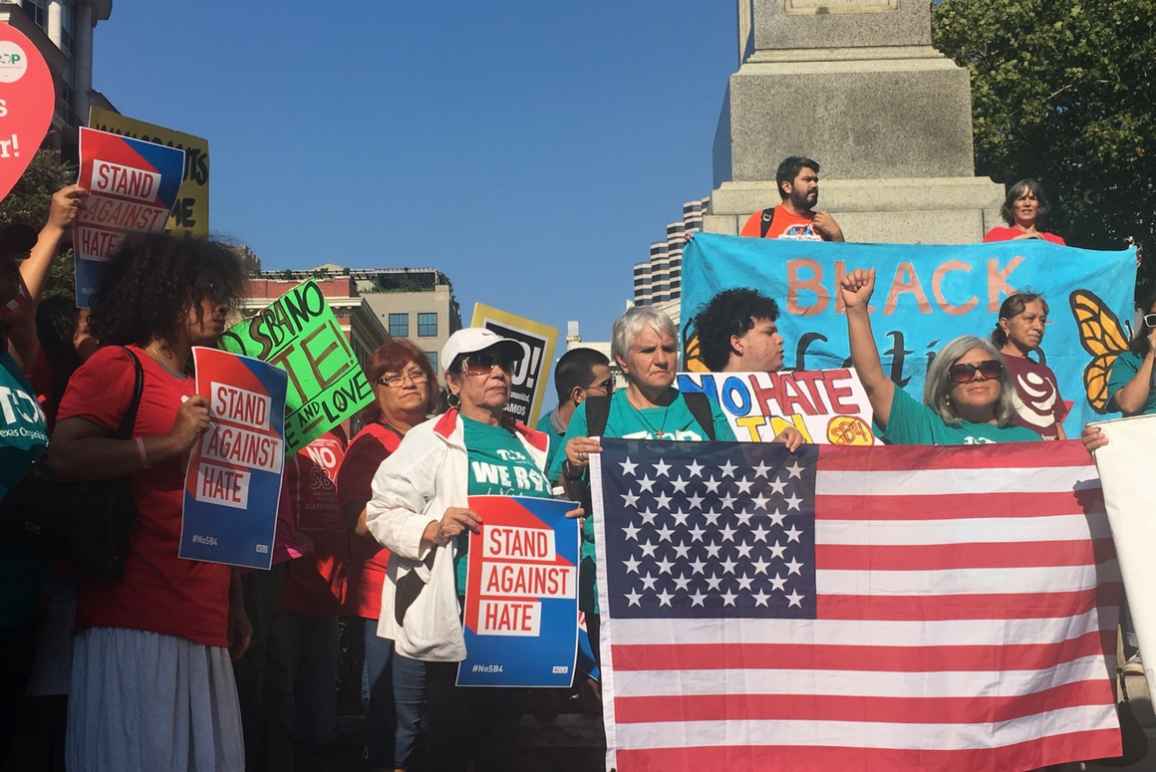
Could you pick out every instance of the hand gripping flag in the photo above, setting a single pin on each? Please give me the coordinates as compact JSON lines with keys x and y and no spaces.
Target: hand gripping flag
{"x":890,"y":608}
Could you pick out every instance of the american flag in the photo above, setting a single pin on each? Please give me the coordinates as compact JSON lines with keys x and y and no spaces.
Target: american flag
{"x":890,"y":608}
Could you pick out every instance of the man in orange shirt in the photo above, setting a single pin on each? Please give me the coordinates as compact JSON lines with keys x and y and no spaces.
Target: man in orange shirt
{"x":795,"y":218}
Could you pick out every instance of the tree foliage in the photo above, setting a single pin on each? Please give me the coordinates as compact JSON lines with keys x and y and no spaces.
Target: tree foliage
{"x":1065,"y":91}
{"x":28,"y":202}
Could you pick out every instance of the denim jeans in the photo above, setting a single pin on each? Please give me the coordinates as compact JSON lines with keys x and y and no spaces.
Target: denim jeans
{"x":475,"y":726}
{"x":394,"y":692}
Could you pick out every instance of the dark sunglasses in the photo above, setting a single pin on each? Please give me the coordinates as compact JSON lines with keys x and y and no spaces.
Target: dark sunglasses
{"x":962,"y":373}
{"x":1150,"y":320}
{"x":482,"y":362}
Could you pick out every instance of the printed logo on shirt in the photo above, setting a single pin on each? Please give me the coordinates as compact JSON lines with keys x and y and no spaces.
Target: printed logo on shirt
{"x":970,"y":440}
{"x":512,"y":479}
{"x":683,"y":435}
{"x":800,"y":232}
{"x":23,"y":417}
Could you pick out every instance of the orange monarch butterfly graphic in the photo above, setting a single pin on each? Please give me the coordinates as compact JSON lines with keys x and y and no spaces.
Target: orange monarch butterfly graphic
{"x":1104,"y":337}
{"x":691,"y":352}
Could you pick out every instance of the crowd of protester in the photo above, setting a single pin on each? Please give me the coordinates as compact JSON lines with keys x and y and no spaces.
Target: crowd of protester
{"x":145,"y":661}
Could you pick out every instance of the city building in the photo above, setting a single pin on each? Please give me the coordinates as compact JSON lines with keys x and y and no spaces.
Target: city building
{"x":63,"y":31}
{"x":658,"y":279}
{"x":414,"y":303}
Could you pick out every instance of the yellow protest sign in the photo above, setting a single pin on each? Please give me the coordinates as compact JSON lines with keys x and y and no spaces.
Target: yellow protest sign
{"x":528,"y":379}
{"x":191,"y":211}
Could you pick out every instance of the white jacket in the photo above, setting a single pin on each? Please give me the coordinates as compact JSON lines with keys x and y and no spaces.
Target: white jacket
{"x":413,"y":487}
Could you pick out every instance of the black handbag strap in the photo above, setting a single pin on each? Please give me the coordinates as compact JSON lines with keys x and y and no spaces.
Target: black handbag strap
{"x":128,"y":421}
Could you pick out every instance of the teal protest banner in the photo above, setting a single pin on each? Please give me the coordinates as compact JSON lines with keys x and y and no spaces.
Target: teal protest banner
{"x":300,"y":334}
{"x":925,"y":296}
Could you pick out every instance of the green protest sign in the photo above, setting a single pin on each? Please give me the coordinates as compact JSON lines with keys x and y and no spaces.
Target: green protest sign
{"x":300,"y":334}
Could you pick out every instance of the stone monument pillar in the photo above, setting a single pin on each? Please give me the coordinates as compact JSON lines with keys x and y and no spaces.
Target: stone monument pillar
{"x":856,"y":85}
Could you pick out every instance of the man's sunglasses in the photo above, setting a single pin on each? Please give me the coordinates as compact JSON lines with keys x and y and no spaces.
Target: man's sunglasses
{"x":961,"y":372}
{"x":1150,"y":320}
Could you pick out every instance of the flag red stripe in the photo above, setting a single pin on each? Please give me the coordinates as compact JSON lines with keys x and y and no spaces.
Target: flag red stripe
{"x":902,"y":659}
{"x":949,"y":506}
{"x":936,"y":557}
{"x":899,"y":710}
{"x":1036,"y":605}
{"x":1096,"y":744}
{"x":1021,"y":455}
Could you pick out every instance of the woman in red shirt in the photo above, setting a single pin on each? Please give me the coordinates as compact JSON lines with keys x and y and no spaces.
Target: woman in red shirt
{"x":1025,"y":210}
{"x":1019,"y":331}
{"x":152,"y":681}
{"x":406,"y":389}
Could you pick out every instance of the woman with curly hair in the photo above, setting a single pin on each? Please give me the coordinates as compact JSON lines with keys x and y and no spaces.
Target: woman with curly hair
{"x":152,"y":682}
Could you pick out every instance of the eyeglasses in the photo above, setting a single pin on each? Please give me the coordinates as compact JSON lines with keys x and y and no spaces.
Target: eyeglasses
{"x":1150,"y":320}
{"x":483,"y":362}
{"x":961,"y":372}
{"x":415,"y":376}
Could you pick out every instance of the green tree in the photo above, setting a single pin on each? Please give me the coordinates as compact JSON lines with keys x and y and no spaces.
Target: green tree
{"x":1065,"y":91}
{"x":28,"y":202}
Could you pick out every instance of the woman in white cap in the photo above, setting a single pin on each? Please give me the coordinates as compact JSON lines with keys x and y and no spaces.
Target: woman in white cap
{"x":419,"y":511}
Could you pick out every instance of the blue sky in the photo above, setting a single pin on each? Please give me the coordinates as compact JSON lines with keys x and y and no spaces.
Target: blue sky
{"x":531,"y":150}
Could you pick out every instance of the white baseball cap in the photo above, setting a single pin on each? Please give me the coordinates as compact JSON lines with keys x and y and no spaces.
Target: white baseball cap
{"x":469,"y":340}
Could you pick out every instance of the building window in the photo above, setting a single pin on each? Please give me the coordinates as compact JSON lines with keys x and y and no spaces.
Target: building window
{"x":432,"y":356}
{"x":37,"y":10}
{"x":399,"y":325}
{"x":427,"y":325}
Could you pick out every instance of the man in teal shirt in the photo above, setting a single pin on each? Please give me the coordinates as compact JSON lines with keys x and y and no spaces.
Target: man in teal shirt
{"x":580,"y":373}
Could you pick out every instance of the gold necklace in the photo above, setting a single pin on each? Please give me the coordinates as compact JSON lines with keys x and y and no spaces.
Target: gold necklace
{"x":659,"y":433}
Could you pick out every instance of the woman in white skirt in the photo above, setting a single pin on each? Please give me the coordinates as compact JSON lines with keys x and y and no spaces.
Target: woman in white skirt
{"x":152,"y":680}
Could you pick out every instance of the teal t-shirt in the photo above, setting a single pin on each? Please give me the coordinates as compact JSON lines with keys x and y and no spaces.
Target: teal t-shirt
{"x":673,"y":422}
{"x":23,"y":433}
{"x":914,"y":423}
{"x":23,"y":438}
{"x":1124,"y":369}
{"x":499,"y":466}
{"x":547,"y":427}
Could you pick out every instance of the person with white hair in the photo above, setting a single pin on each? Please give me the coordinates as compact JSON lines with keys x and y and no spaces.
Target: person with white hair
{"x":967,"y":397}
{"x":644,"y":345}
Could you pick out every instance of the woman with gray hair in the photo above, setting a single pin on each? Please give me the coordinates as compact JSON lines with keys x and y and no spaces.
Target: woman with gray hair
{"x":967,"y":397}
{"x":644,"y":345}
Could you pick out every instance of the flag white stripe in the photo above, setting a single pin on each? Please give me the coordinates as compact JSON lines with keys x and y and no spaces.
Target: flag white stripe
{"x":840,"y":632}
{"x":866,"y":734}
{"x":998,"y":683}
{"x":966,"y":581}
{"x":602,"y":583}
{"x":963,"y":530}
{"x":910,"y":482}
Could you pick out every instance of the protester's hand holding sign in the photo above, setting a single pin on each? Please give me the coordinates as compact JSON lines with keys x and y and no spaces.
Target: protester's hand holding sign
{"x":455,"y":521}
{"x":191,"y":422}
{"x":578,"y":452}
{"x":65,"y":206}
{"x":1093,"y":437}
{"x":791,"y":437}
